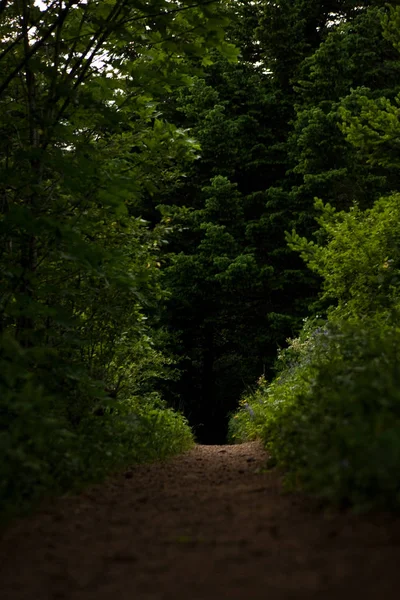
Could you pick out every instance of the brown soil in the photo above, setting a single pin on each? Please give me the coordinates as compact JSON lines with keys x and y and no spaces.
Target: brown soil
{"x":207,"y":525}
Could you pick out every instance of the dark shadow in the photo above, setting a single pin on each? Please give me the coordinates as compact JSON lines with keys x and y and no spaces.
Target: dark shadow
{"x":211,"y":433}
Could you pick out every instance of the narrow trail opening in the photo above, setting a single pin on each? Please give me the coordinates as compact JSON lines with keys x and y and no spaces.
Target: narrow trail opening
{"x":207,"y":525}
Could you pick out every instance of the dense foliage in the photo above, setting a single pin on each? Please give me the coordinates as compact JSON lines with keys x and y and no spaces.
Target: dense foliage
{"x":187,"y":187}
{"x":82,"y":141}
{"x":330,"y":417}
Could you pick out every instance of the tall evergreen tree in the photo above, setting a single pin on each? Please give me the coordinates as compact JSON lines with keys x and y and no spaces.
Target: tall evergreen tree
{"x":233,"y":298}
{"x":355,"y":55}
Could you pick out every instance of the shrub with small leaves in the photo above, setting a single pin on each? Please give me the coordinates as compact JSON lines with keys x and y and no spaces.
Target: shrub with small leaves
{"x":331,"y":421}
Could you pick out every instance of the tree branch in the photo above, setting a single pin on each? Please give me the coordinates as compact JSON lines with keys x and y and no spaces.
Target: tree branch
{"x":39,"y":44}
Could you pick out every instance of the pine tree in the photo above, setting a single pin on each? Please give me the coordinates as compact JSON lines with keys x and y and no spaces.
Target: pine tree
{"x":234,"y":295}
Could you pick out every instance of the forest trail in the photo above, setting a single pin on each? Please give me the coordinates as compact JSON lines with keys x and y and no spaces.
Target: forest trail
{"x":207,"y":525}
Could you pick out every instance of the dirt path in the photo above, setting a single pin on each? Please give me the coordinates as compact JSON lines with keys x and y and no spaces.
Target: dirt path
{"x":207,"y":525}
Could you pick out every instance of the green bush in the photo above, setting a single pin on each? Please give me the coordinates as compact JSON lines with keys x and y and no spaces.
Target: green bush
{"x":42,"y":452}
{"x":248,"y":423}
{"x":137,"y":430}
{"x":331,"y":420}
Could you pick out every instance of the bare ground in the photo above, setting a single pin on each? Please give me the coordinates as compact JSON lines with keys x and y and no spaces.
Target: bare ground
{"x":205,"y":526}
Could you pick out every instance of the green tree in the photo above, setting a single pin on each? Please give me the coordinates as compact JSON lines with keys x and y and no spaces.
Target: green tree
{"x":82,"y":141}
{"x":236,"y":291}
{"x":356,"y":54}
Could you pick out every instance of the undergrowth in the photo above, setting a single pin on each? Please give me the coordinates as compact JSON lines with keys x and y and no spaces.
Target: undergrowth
{"x":331,"y":417}
{"x":43,"y":453}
